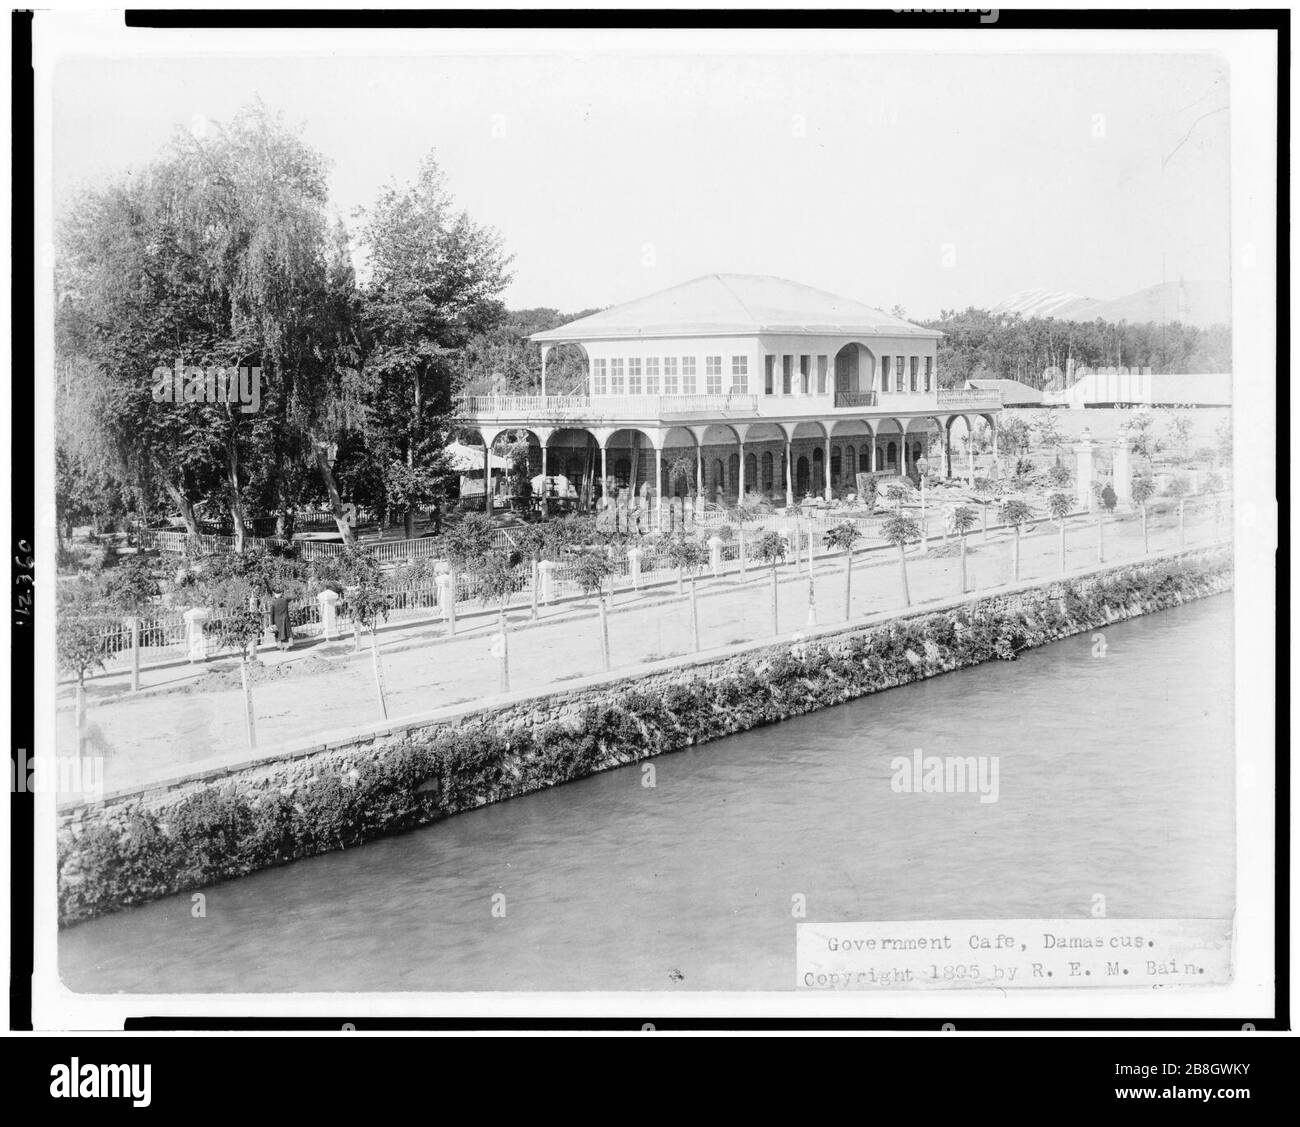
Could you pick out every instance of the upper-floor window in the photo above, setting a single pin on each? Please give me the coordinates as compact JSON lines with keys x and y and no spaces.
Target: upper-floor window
{"x":713,"y":375}
{"x":900,"y":374}
{"x":822,"y":365}
{"x":740,"y":374}
{"x":652,"y":375}
{"x":805,"y":365}
{"x":634,"y":376}
{"x":670,"y":375}
{"x":916,"y":367}
{"x":616,"y":377}
{"x":599,"y":377}
{"x":884,"y":373}
{"x":787,"y":374}
{"x":929,"y":373}
{"x":769,"y":375}
{"x":688,"y":375}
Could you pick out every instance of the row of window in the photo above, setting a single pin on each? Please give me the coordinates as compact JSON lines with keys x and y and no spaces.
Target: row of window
{"x":668,"y":375}
{"x":672,"y":375}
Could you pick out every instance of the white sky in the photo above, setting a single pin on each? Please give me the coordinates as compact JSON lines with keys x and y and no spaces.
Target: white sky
{"x":925,"y":180}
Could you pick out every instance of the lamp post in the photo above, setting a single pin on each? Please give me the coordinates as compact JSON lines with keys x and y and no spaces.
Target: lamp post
{"x":923,"y":469}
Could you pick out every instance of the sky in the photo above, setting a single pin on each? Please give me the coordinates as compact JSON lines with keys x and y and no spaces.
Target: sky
{"x":926,"y":181}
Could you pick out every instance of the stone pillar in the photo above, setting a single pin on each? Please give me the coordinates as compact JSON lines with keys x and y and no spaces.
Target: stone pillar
{"x":715,"y":555}
{"x":871,"y":462}
{"x":740,"y":476}
{"x":328,"y":614}
{"x":543,"y":464}
{"x":827,"y":491}
{"x":789,"y":473}
{"x":659,"y":489}
{"x":442,"y":584}
{"x":1123,"y":473}
{"x":487,"y":478}
{"x":902,"y":451}
{"x":970,"y":453}
{"x":1083,"y":472}
{"x":196,"y":642}
{"x":699,"y":477}
{"x":604,"y":475}
{"x":546,"y":572}
{"x":634,"y":567}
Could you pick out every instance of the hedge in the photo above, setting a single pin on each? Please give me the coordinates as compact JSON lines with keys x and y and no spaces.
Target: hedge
{"x":132,"y":854}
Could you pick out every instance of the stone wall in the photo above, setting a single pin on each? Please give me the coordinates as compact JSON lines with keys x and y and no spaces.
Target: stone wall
{"x":136,"y":848}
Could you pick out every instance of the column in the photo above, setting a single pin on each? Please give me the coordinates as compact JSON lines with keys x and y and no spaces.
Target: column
{"x":604,"y":474}
{"x":487,"y":477}
{"x":826,"y":472}
{"x":1122,"y":473}
{"x":659,"y":488}
{"x":993,"y":425}
{"x":1084,"y":469}
{"x":740,"y":488}
{"x":543,"y":461}
{"x":699,"y":473}
{"x":789,"y":473}
{"x":544,"y":351}
{"x":871,"y":457}
{"x":902,"y":450}
{"x":970,"y":452}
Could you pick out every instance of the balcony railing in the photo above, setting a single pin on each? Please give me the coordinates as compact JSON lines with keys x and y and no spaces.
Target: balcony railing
{"x":855,"y":399}
{"x":537,"y":408}
{"x":969,"y":397}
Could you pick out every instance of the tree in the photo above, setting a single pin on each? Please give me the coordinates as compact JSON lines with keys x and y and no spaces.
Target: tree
{"x":368,"y":602}
{"x":751,"y":507}
{"x":590,"y":570}
{"x":496,"y":576}
{"x":985,"y":497}
{"x":963,"y":519}
{"x":1143,"y":490}
{"x":434,"y":281}
{"x":1015,"y":513}
{"x":898,"y":530}
{"x":1214,"y":485}
{"x":1178,"y":488}
{"x":771,"y":549}
{"x":689,"y":555}
{"x":131,"y":591}
{"x":81,"y":643}
{"x":470,"y":539}
{"x":1058,"y":507}
{"x":1048,"y":429}
{"x":842,"y":537}
{"x":898,"y":493}
{"x":1142,"y":438}
{"x":531,"y":541}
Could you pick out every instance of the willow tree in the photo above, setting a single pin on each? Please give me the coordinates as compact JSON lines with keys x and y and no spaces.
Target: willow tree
{"x":434,"y":281}
{"x":209,"y":264}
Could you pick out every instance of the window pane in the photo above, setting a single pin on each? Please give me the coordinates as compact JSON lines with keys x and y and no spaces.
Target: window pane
{"x":616,"y":377}
{"x":688,"y":375}
{"x":634,"y":377}
{"x":740,"y":374}
{"x":670,"y":375}
{"x":652,"y":376}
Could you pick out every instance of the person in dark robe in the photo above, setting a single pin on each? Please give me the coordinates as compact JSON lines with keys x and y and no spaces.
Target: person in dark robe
{"x":280,"y":620}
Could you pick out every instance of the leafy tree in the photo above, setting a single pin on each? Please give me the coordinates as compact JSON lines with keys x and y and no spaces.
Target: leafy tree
{"x":1178,"y":488}
{"x":434,"y":281}
{"x":497,"y":577}
{"x":590,"y":570}
{"x":1143,"y":490}
{"x":1015,"y":513}
{"x":898,"y":530}
{"x":771,"y":549}
{"x":1058,"y":507}
{"x":963,"y":519}
{"x":842,"y":537}
{"x":691,"y":556}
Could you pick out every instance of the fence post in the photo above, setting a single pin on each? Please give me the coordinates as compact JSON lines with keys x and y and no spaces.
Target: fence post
{"x":196,"y":641}
{"x":328,"y":613}
{"x":547,"y":571}
{"x":135,"y":653}
{"x":715,"y":555}
{"x":634,"y":566}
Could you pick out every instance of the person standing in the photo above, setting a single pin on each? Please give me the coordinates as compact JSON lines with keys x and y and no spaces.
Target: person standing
{"x":280,"y":620}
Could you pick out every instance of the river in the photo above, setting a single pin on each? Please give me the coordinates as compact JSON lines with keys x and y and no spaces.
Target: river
{"x":1115,"y":777}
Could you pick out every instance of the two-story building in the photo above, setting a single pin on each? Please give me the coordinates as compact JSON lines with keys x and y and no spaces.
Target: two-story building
{"x":738,"y":383}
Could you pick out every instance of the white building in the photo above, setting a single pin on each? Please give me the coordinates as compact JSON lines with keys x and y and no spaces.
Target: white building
{"x":755,"y":383}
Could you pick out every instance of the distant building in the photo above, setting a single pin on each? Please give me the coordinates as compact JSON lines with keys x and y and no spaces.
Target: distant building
{"x":737,"y":383}
{"x":1013,"y":392}
{"x":1122,"y":387}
